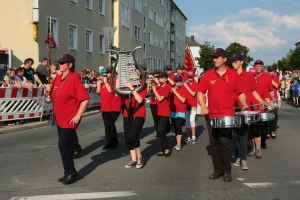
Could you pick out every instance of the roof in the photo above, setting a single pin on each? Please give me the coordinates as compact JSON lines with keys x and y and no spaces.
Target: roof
{"x":297,"y":43}
{"x":173,"y":3}
{"x":191,"y":42}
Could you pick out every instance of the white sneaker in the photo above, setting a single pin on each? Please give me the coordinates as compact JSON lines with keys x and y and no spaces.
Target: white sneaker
{"x":187,"y":140}
{"x":244,"y":165}
{"x":237,"y":162}
{"x":193,"y":141}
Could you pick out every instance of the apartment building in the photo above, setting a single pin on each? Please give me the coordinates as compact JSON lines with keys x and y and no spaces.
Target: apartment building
{"x":76,"y":25}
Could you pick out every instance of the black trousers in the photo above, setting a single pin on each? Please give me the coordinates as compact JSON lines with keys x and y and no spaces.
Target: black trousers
{"x":152,"y":108}
{"x":132,"y":131}
{"x":240,"y":139}
{"x":220,"y":145}
{"x":75,"y":143}
{"x":254,"y":131}
{"x":109,"y":119}
{"x":264,"y":131}
{"x":273,"y":123}
{"x":66,"y":152}
{"x":178,"y":123}
{"x":161,"y":126}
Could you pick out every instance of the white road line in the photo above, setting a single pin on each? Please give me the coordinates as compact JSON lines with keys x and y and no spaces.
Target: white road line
{"x":260,"y":185}
{"x":97,"y":195}
{"x":241,"y":179}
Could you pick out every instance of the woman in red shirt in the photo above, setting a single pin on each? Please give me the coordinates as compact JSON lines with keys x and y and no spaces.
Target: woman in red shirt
{"x":110,"y":108}
{"x":191,"y":86}
{"x":178,"y":108}
{"x":134,"y":116}
{"x":162,"y":92}
{"x":70,"y":99}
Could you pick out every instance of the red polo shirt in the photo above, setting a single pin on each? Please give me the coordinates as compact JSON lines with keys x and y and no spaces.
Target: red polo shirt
{"x":221,"y":92}
{"x":275,"y":78}
{"x":141,"y":112}
{"x":109,"y":101}
{"x":192,"y":100}
{"x":68,"y":99}
{"x":248,"y":85}
{"x":264,"y":80}
{"x":175,"y":104}
{"x":163,"y":107}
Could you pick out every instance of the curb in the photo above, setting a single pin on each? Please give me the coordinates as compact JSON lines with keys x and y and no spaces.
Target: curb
{"x":11,"y":129}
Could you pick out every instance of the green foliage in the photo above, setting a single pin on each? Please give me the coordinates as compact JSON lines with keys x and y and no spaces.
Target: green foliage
{"x":284,"y":63}
{"x":234,"y":48}
{"x":295,"y":59}
{"x":205,"y":61}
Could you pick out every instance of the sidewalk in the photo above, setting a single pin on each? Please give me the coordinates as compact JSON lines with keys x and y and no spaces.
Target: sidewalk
{"x":35,"y":123}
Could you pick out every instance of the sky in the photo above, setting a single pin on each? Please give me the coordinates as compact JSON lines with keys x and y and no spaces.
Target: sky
{"x":269,"y":28}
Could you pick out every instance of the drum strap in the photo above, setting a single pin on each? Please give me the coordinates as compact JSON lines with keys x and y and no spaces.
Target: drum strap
{"x":133,"y":109}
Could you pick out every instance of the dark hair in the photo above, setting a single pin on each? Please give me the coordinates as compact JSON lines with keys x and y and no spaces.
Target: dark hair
{"x":73,"y":67}
{"x":19,"y":69}
{"x":27,"y":60}
{"x":44,"y":59}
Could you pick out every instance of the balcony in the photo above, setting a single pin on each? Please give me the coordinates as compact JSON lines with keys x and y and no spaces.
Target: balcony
{"x":172,"y":19}
{"x":172,"y":55}
{"x":172,"y":37}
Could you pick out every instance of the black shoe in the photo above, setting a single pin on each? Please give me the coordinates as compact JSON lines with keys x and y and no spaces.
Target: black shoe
{"x":77,"y":154}
{"x":156,"y":137}
{"x":107,"y":146}
{"x":264,"y":146}
{"x":161,"y":153}
{"x":215,"y":175}
{"x":277,"y":127}
{"x":70,"y":179}
{"x":62,"y":178}
{"x":113,"y":146}
{"x":273,"y":135}
{"x":227,"y":177}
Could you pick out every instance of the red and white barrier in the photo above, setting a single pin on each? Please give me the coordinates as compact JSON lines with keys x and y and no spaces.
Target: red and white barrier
{"x":22,"y":104}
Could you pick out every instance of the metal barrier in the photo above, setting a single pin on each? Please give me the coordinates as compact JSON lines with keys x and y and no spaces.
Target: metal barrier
{"x":16,"y":104}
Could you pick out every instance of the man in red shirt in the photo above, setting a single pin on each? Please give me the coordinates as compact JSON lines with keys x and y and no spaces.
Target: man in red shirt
{"x":248,"y":84}
{"x":222,"y":85}
{"x":275,"y":84}
{"x":264,"y":80}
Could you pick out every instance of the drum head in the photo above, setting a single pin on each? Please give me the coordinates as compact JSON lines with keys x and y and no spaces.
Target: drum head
{"x":246,"y":112}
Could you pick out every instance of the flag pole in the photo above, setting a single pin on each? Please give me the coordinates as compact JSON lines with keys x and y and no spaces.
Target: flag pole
{"x":49,"y":42}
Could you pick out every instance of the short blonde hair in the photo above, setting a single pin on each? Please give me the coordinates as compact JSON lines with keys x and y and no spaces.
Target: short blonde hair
{"x":52,"y":69}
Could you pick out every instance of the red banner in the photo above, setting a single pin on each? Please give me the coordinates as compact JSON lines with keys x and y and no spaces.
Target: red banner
{"x":189,"y":61}
{"x":50,"y":40}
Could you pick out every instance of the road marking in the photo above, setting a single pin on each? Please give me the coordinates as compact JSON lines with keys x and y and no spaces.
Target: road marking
{"x":97,"y":195}
{"x":260,"y":185}
{"x":241,"y":179}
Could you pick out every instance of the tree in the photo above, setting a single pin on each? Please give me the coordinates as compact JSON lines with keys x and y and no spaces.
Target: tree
{"x":295,"y":59}
{"x":205,"y":61}
{"x":284,"y":63}
{"x":234,"y":48}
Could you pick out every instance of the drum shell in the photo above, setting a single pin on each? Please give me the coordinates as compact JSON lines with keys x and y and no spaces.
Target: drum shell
{"x":248,"y":117}
{"x":267,"y":116}
{"x":226,"y":122}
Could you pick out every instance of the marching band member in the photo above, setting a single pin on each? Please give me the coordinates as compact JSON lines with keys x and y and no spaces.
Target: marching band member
{"x":255,"y":130}
{"x":221,"y":83}
{"x":134,"y":116}
{"x":275,"y":84}
{"x":152,"y":99}
{"x":162,"y":92}
{"x":178,"y":108}
{"x":110,"y":108}
{"x":190,"y":117}
{"x":264,"y":80}
{"x":248,"y":84}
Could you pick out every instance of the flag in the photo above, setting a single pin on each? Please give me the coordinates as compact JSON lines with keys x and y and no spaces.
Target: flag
{"x":50,"y":40}
{"x":188,"y":60}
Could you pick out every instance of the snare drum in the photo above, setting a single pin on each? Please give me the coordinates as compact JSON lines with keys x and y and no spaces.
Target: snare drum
{"x":226,"y":122}
{"x":248,"y":117}
{"x":267,"y":116}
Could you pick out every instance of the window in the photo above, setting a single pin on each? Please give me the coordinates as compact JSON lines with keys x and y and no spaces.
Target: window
{"x":168,"y":46}
{"x":73,"y":31}
{"x":101,"y":44}
{"x":137,"y":33}
{"x":53,"y":29}
{"x":88,"y":40}
{"x":89,"y":4}
{"x":151,"y":14}
{"x":161,"y":2}
{"x":102,"y":7}
{"x":144,"y":24}
{"x":150,"y":38}
{"x":168,"y":27}
{"x":138,"y":5}
{"x":145,"y":51}
{"x":154,"y":15}
{"x":125,"y":16}
{"x":73,"y":1}
{"x":138,"y":58}
{"x":150,"y":63}
{"x":145,"y":3}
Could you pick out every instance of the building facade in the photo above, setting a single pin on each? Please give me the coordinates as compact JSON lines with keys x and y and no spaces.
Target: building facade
{"x":297,"y":45}
{"x":77,"y":27}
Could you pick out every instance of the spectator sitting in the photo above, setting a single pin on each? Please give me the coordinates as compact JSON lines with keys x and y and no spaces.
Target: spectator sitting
{"x":21,"y":79}
{"x":9,"y":79}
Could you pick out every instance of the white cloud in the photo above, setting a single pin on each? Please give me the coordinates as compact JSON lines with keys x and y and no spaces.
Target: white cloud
{"x":260,"y":30}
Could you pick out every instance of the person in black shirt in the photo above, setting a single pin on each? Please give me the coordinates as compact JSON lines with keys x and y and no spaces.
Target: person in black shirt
{"x":42,"y":71}
{"x":29,"y":73}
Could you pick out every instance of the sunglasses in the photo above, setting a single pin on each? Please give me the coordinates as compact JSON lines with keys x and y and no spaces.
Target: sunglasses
{"x":62,"y":63}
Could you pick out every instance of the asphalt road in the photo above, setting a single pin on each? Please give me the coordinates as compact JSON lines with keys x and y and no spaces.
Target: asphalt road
{"x":31,"y":165}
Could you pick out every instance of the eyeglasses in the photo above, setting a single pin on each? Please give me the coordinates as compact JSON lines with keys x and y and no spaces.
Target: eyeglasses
{"x":62,"y":63}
